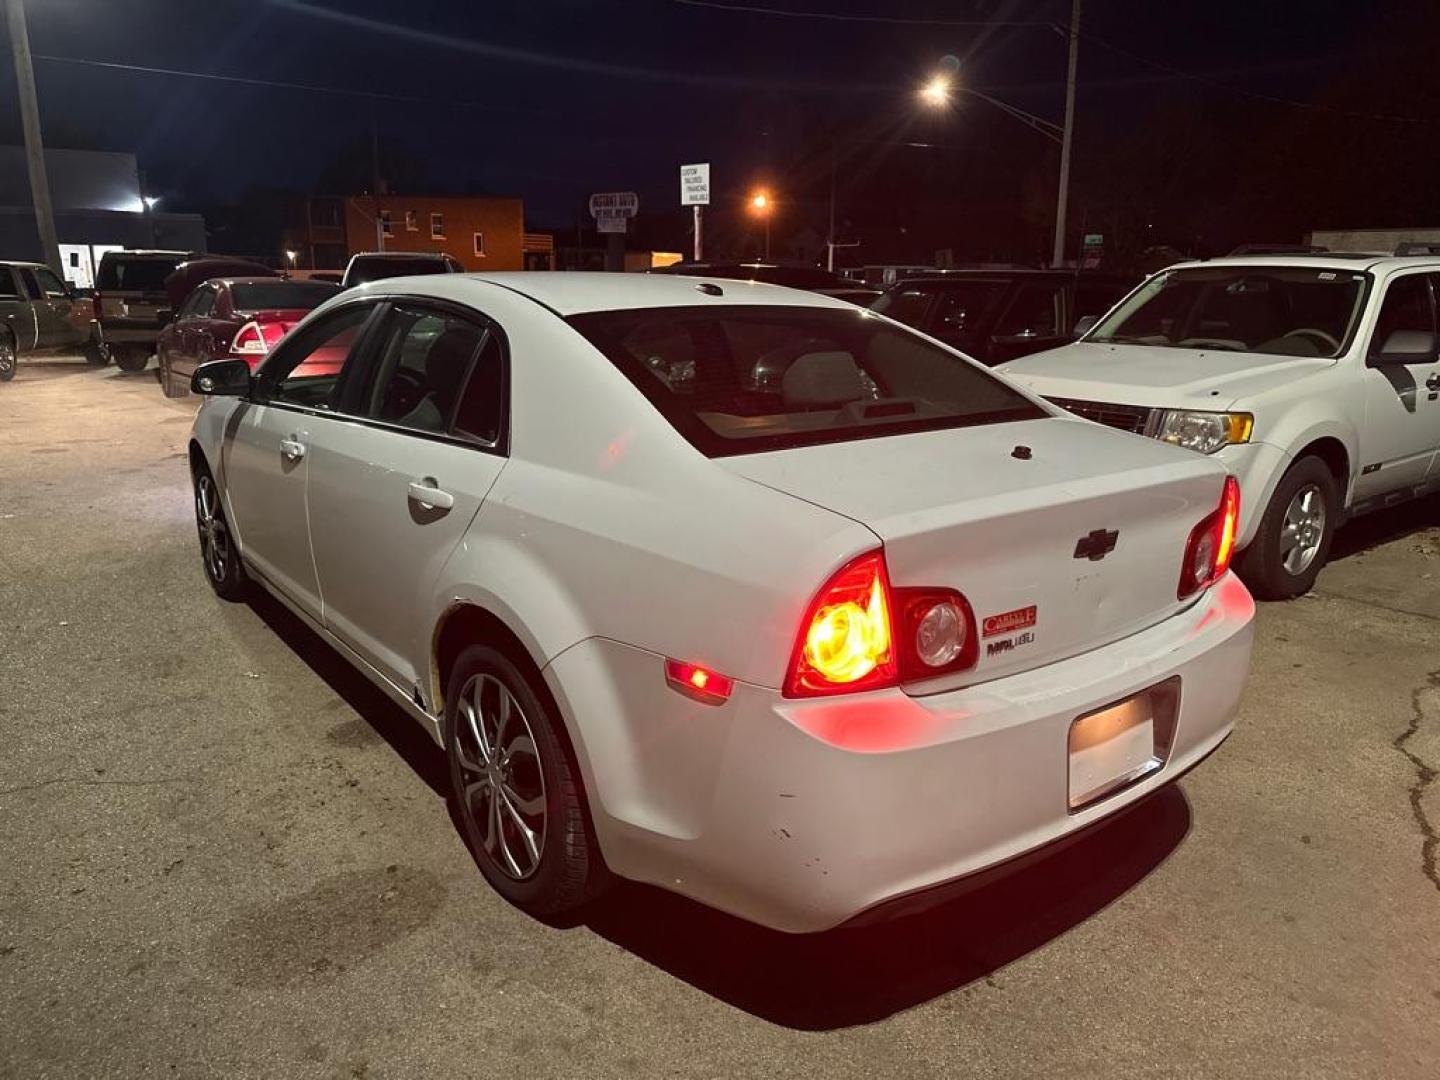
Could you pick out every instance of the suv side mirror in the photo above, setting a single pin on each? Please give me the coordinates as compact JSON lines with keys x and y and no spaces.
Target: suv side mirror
{"x":1406,"y":347}
{"x":1085,"y":325}
{"x":222,"y":378}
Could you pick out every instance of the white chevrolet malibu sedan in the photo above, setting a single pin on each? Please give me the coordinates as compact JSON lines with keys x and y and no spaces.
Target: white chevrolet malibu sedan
{"x":733,"y":589}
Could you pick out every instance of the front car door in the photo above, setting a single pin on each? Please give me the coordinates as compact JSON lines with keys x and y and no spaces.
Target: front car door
{"x":393,"y":490}
{"x":39,"y":316}
{"x":1402,"y":399}
{"x":59,"y":326}
{"x":267,"y":443}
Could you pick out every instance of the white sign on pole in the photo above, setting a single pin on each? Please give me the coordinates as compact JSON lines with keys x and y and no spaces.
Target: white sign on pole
{"x":695,"y":184}
{"x":621,"y":204}
{"x":610,"y":223}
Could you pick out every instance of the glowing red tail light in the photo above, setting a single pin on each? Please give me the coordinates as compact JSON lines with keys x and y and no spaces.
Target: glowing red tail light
{"x":257,"y":338}
{"x":859,"y":633}
{"x":1212,"y":543}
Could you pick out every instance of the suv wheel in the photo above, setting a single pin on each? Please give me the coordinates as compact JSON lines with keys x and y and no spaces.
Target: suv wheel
{"x":516,"y":788}
{"x":1293,"y":540}
{"x":131,"y":357}
{"x":217,"y":544}
{"x":7,"y":356}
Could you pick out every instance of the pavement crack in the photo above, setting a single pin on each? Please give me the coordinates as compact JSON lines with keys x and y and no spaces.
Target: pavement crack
{"x":89,"y":782}
{"x":1375,"y":604}
{"x":1425,"y":776}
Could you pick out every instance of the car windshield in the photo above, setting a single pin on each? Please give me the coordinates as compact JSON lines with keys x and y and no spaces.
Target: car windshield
{"x":1277,"y":310}
{"x":281,"y":294}
{"x":742,"y":379}
{"x":363,"y":270}
{"x":146,"y":274}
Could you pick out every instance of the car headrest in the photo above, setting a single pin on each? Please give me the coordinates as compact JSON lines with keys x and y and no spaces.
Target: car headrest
{"x":822,"y":378}
{"x":449,"y":358}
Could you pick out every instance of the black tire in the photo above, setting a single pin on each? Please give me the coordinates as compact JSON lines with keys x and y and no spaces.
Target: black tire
{"x":569,"y":871}
{"x":97,"y":354}
{"x":131,"y":357}
{"x":170,"y":385}
{"x":8,"y":356}
{"x":1263,"y":565}
{"x":226,"y":574}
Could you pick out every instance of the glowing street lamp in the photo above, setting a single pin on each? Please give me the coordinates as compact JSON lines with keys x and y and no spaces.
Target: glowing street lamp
{"x":936,"y":93}
{"x":292,"y":256}
{"x":761,"y":205}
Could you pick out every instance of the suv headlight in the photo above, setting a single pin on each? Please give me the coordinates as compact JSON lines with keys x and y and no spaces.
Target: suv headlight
{"x":1204,"y":432}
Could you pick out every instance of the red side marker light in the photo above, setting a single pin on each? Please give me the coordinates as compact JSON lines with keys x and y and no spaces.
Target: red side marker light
{"x":697,"y":682}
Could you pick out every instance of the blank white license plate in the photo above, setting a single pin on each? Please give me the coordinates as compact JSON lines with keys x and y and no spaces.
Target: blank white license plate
{"x":1111,"y":749}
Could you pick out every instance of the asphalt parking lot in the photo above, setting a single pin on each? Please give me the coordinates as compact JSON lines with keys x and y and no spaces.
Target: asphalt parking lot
{"x":225,"y":854}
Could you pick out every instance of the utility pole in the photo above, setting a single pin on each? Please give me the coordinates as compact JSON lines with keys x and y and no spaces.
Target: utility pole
{"x":375,"y":179}
{"x":34,"y":146}
{"x":1068,"y":138}
{"x":699,"y":227}
{"x":830,"y":239}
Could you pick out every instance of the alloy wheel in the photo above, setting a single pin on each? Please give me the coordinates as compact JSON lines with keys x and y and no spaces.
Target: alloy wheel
{"x":214,"y":535}
{"x":502,"y":782}
{"x":7,"y":359}
{"x":1303,"y":529}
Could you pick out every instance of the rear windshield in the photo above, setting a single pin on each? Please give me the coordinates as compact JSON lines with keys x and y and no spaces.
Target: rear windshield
{"x":281,"y":294}
{"x":363,"y":270}
{"x":739,"y":380}
{"x":145,"y":274}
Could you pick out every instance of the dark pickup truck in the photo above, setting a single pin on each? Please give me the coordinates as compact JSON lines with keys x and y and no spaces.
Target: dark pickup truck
{"x":39,"y":313}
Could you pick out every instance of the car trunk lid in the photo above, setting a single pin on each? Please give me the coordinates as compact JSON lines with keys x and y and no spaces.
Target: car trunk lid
{"x":1063,"y":536}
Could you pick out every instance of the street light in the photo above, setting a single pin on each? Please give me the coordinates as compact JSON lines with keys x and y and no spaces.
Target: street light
{"x":936,"y":92}
{"x":292,"y":256}
{"x":151,"y":201}
{"x":761,"y":205}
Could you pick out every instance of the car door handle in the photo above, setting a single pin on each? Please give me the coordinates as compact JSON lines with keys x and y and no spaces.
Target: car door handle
{"x":428,"y":494}
{"x":292,"y":449}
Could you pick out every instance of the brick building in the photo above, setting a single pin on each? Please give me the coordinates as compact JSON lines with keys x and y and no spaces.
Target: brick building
{"x":481,"y":232}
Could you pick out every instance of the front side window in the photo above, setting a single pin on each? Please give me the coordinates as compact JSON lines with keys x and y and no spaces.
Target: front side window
{"x":1277,"y":310}
{"x":306,"y":370}
{"x":200,"y":304}
{"x":1406,"y":306}
{"x":904,"y":305}
{"x":437,"y":226}
{"x":54,"y":288}
{"x":1035,"y":312}
{"x":423,"y":361}
{"x":32,"y":286}
{"x":743,"y":379}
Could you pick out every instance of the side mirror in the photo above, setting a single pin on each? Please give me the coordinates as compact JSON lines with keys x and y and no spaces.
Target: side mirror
{"x":1085,"y":325}
{"x":1407,"y":347}
{"x":222,"y":378}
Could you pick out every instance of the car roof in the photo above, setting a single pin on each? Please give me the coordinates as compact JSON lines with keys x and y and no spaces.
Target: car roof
{"x":398,"y":255}
{"x":150,"y":253}
{"x":1335,"y":260}
{"x":1106,"y":277}
{"x":227,"y":281}
{"x":572,"y":292}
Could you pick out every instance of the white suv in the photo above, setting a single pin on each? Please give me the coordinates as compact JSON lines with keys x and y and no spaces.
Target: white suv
{"x":1313,"y":379}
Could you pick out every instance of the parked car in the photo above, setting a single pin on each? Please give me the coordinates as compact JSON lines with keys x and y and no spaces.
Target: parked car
{"x":375,"y":265}
{"x":997,"y":315}
{"x":811,"y":278}
{"x":753,"y":647}
{"x":240,"y":318}
{"x":131,"y":304}
{"x":1314,"y":379}
{"x":40,"y":315}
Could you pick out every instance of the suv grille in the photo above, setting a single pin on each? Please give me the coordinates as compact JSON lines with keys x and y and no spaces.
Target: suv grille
{"x":1132,"y":418}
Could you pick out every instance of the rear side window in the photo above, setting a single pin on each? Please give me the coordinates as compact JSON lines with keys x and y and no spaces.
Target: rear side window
{"x":744,"y":379}
{"x":134,"y":275}
{"x":27,"y":279}
{"x":423,"y":362}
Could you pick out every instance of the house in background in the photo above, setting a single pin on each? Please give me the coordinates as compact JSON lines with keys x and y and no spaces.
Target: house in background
{"x":481,"y":232}
{"x":98,"y":208}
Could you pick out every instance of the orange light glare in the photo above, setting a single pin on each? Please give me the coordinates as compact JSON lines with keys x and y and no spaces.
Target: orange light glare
{"x":1229,"y":522}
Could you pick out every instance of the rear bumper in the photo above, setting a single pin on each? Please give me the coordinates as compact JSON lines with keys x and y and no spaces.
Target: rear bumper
{"x":802,"y":814}
{"x":122,"y":333}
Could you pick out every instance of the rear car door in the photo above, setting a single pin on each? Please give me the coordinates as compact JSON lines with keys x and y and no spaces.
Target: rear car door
{"x":40,"y":319}
{"x":393,"y":490}
{"x":1402,"y":400}
{"x":266,"y":452}
{"x":17,"y":309}
{"x":193,"y":329}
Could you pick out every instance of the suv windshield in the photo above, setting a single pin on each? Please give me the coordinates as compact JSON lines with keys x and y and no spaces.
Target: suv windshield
{"x":281,"y":294}
{"x":388,"y":266}
{"x":1279,"y":310}
{"x":738,"y":379}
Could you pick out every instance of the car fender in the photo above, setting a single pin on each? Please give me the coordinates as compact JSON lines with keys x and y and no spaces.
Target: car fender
{"x":1308,"y":421}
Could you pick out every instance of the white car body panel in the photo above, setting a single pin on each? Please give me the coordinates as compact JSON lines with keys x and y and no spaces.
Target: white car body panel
{"x":606,"y":542}
{"x":1390,"y":434}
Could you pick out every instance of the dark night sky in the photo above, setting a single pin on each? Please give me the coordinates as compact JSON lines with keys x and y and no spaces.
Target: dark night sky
{"x":555,"y":99}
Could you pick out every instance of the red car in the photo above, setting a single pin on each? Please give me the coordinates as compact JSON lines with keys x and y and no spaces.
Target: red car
{"x":236,"y":318}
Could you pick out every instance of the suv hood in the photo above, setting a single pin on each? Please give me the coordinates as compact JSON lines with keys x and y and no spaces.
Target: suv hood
{"x":1154,"y":376}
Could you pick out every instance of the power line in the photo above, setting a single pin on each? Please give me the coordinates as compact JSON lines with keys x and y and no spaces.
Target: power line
{"x":831,"y":16}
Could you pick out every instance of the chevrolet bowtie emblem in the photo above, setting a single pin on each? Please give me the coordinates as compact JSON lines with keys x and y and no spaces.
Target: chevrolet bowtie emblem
{"x":1097,"y":544}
